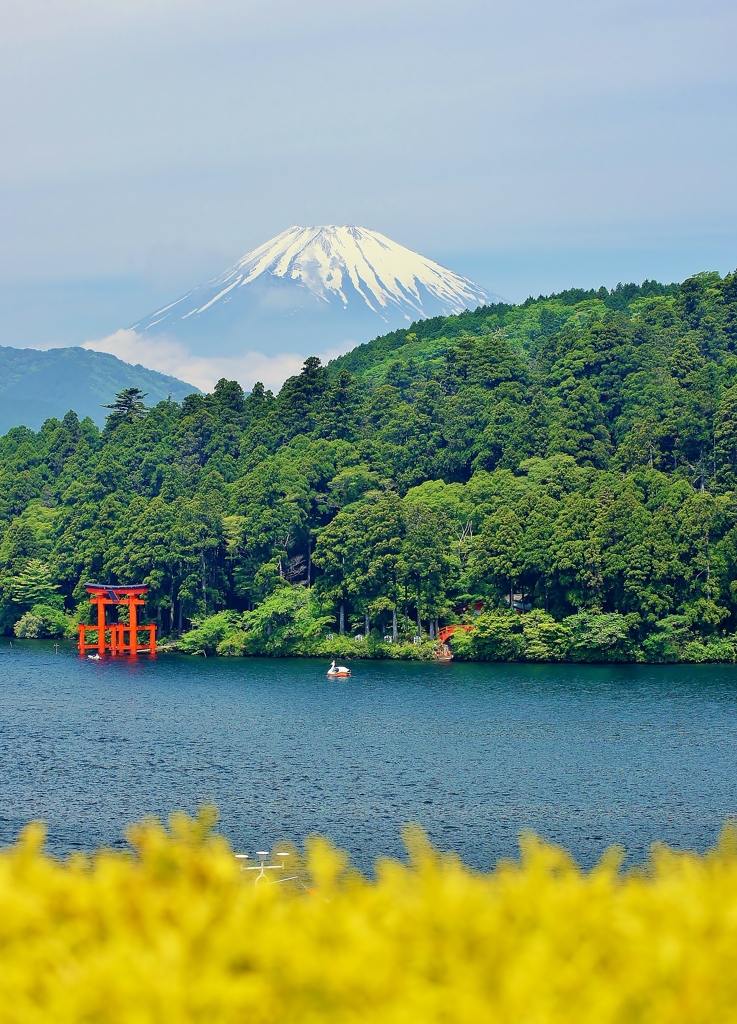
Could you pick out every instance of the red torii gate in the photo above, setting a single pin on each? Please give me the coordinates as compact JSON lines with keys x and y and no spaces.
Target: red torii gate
{"x":123,"y":637}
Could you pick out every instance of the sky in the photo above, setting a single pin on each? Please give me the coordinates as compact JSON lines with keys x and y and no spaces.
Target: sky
{"x":532,"y":145}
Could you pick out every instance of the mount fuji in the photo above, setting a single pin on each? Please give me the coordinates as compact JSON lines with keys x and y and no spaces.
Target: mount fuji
{"x":309,"y":290}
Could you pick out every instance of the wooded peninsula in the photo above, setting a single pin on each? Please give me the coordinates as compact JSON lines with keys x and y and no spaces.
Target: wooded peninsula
{"x":561,"y":475}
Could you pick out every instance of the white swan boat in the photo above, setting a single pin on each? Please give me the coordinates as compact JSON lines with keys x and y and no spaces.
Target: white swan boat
{"x":338,"y":672}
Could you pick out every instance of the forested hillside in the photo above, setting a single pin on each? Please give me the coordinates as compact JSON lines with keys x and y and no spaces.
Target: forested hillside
{"x":577,"y":454}
{"x":36,"y":385}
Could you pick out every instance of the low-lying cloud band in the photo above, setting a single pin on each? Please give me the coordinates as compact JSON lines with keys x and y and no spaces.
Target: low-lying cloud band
{"x":167,"y":355}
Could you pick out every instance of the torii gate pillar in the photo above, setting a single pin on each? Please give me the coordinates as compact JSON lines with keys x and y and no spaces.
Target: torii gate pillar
{"x":124,"y":638}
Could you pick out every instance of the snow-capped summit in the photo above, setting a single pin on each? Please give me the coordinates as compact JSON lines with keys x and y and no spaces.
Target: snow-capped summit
{"x":309,"y":291}
{"x":331,"y":261}
{"x":312,"y":289}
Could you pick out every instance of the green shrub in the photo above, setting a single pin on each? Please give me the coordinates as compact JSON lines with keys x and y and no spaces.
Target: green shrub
{"x":497,"y":636}
{"x":233,"y":644}
{"x":340,"y":647}
{"x":666,"y":643}
{"x":28,"y":626}
{"x":714,"y":649}
{"x":462,"y":645}
{"x":289,"y":622}
{"x":209,"y":633}
{"x":44,"y":622}
{"x":544,"y":638}
{"x":601,"y":637}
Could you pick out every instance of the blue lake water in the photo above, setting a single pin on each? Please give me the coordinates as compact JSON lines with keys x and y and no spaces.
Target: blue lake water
{"x":584,"y":755}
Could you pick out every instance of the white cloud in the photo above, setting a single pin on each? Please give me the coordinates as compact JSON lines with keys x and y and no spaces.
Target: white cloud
{"x":172,"y":357}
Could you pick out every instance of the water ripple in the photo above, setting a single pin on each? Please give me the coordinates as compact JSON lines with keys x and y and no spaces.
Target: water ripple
{"x":583,"y":755}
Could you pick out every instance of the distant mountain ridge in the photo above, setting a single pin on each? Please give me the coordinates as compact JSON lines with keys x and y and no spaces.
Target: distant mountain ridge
{"x":312,"y":288}
{"x":37,"y":385}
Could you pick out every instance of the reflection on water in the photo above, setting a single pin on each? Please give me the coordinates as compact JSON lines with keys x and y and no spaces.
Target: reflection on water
{"x":584,"y":755}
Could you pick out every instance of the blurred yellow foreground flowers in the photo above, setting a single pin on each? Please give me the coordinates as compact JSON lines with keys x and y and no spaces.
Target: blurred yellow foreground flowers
{"x":175,"y":932}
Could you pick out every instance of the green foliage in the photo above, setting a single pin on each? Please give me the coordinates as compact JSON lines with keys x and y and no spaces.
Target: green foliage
{"x":288,"y":621}
{"x":29,"y":626}
{"x":497,"y":636}
{"x":34,"y":584}
{"x":573,"y":457}
{"x":208,"y":634}
{"x":713,"y":649}
{"x":233,"y":644}
{"x":667,"y":640}
{"x":127,"y":407}
{"x":43,"y":621}
{"x":606,"y":637}
{"x":506,"y":636}
{"x":545,"y":639}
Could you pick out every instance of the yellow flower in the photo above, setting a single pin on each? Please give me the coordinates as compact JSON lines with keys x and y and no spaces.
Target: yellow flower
{"x":174,"y":931}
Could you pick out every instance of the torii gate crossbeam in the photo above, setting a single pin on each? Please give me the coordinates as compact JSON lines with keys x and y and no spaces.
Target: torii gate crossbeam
{"x":117,"y":637}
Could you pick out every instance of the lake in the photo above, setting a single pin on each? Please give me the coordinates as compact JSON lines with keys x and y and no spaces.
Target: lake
{"x":585,"y":756}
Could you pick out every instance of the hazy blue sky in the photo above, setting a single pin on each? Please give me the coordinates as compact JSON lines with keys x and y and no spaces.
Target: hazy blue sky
{"x":531,"y":145}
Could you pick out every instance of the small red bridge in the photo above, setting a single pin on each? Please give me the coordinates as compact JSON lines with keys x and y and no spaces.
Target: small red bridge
{"x":117,"y":637}
{"x":446,"y":632}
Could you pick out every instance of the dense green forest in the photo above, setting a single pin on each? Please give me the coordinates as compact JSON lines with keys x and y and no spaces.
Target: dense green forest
{"x":574,"y":456}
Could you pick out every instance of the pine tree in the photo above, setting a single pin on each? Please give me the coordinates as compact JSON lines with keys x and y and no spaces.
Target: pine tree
{"x":127,"y":407}
{"x":34,"y":585}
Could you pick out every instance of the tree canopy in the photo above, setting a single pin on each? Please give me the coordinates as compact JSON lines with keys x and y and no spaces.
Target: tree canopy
{"x":575,"y":456}
{"x":127,"y":407}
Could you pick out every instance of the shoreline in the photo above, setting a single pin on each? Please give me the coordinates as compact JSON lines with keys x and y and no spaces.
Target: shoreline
{"x":424,"y":656}
{"x":348,"y":649}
